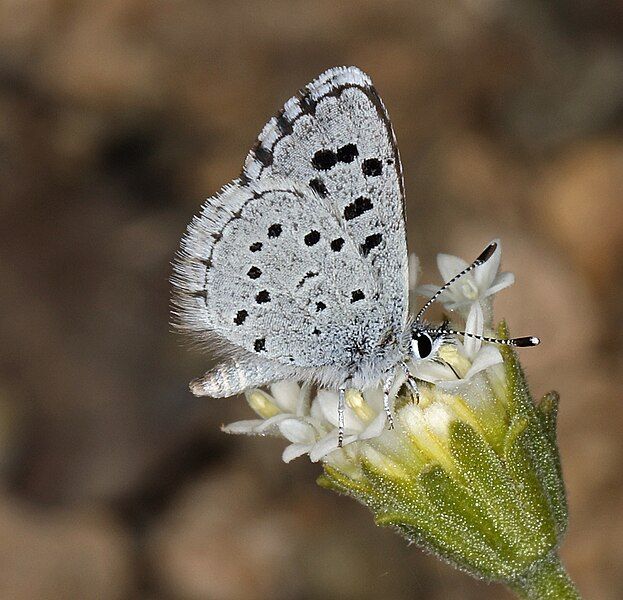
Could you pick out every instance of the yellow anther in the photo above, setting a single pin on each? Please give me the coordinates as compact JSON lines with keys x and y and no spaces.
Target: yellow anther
{"x":262,"y":404}
{"x":356,"y":401}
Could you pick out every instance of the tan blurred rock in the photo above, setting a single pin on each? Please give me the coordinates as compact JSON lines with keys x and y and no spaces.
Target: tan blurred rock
{"x":592,"y":449}
{"x":580,"y":205}
{"x":61,"y":555}
{"x":102,"y":58}
{"x":482,"y":178}
{"x":221,"y":539}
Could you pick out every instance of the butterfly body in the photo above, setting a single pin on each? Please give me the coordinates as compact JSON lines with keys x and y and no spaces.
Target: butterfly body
{"x":298,"y":269}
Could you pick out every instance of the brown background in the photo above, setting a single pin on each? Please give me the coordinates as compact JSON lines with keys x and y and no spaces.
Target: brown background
{"x":117,"y":118}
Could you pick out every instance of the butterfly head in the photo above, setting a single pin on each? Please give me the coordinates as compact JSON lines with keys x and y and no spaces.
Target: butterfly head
{"x":425,"y":341}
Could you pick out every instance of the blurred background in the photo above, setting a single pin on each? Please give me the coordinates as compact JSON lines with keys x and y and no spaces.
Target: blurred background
{"x":118,"y":118}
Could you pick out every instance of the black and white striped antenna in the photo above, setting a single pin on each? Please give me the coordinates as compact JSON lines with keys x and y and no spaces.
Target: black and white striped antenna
{"x":485,"y":255}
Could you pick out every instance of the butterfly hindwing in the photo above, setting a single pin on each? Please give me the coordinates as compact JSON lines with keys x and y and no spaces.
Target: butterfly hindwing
{"x":268,"y":268}
{"x":335,"y":137}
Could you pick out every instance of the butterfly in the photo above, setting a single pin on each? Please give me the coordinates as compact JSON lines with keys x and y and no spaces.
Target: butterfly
{"x":298,"y":269}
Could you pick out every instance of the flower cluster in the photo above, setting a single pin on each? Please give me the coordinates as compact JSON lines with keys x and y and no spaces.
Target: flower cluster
{"x":311,"y":427}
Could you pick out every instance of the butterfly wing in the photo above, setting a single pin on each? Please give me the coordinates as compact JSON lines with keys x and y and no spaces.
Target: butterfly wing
{"x":336,"y":138}
{"x":269,"y":269}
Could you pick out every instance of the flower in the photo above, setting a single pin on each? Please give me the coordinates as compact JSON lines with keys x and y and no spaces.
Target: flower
{"x":459,"y":361}
{"x":287,"y":400}
{"x":475,"y":287}
{"x":471,"y":471}
{"x":471,"y":474}
{"x":311,"y":426}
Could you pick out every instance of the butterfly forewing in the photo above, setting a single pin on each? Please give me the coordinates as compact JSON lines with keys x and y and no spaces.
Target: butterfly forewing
{"x":335,"y":138}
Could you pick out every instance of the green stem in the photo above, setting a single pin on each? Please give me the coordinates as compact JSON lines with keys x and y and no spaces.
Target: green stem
{"x":546,"y":580}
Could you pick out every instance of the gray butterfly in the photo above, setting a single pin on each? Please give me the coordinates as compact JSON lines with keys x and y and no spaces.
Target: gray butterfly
{"x":298,"y":269}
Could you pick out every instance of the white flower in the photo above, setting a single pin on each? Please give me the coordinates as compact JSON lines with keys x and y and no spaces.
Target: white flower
{"x":312,"y":427}
{"x":475,"y":287}
{"x":286,"y":400}
{"x":458,"y":362}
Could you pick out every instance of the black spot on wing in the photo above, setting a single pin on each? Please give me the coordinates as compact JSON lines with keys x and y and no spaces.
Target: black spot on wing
{"x":320,"y":306}
{"x":356,"y":296}
{"x":283,"y":124}
{"x":357,"y":208}
{"x":263,"y":155}
{"x":259,"y":345}
{"x":274,"y":231}
{"x":323,"y":160}
{"x":337,"y":244}
{"x":255,"y":247}
{"x":240,"y":317}
{"x":318,"y":187}
{"x":262,"y":297}
{"x":254,"y":273}
{"x":371,"y":241}
{"x":308,"y":104}
{"x":372,"y":167}
{"x":347,"y":153}
{"x":312,"y":238}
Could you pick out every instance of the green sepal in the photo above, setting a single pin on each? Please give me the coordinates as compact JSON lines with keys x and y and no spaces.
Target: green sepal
{"x":335,"y":480}
{"x":547,"y":410}
{"x":453,"y":504}
{"x":537,"y":508}
{"x":540,"y":435}
{"x":493,"y":489}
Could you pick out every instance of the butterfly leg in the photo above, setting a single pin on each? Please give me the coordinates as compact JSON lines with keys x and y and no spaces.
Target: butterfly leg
{"x":340,"y":415}
{"x":415,"y":390}
{"x":387,"y":386}
{"x":411,"y":382}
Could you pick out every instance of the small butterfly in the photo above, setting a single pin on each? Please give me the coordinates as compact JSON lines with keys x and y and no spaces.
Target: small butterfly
{"x":298,"y":269}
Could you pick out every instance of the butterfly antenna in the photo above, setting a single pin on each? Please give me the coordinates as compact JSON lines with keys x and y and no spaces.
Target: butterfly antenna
{"x":485,"y":255}
{"x":520,"y":342}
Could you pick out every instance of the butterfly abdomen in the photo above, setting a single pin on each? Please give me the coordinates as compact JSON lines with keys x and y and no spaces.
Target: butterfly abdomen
{"x":236,"y":376}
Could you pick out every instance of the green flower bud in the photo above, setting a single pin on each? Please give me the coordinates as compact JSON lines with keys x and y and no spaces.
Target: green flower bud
{"x":472,"y":475}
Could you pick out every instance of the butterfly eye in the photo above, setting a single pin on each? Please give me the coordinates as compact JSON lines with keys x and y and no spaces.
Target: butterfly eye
{"x":422,"y":344}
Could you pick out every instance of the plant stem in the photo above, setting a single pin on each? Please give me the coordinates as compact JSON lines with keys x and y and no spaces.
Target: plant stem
{"x":547,"y":580}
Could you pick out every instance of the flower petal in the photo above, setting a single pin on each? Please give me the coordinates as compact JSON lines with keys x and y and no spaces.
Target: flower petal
{"x":328,"y":444}
{"x":432,"y":372}
{"x":247,"y":427}
{"x":373,"y":396}
{"x":375,"y":428}
{"x":488,"y":356}
{"x":501,"y":281}
{"x":294,"y":451}
{"x":297,"y":431}
{"x":450,"y":265}
{"x":286,"y":395}
{"x":474,"y":325}
{"x":271,"y":426}
{"x":328,"y":401}
{"x":427,"y":290}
